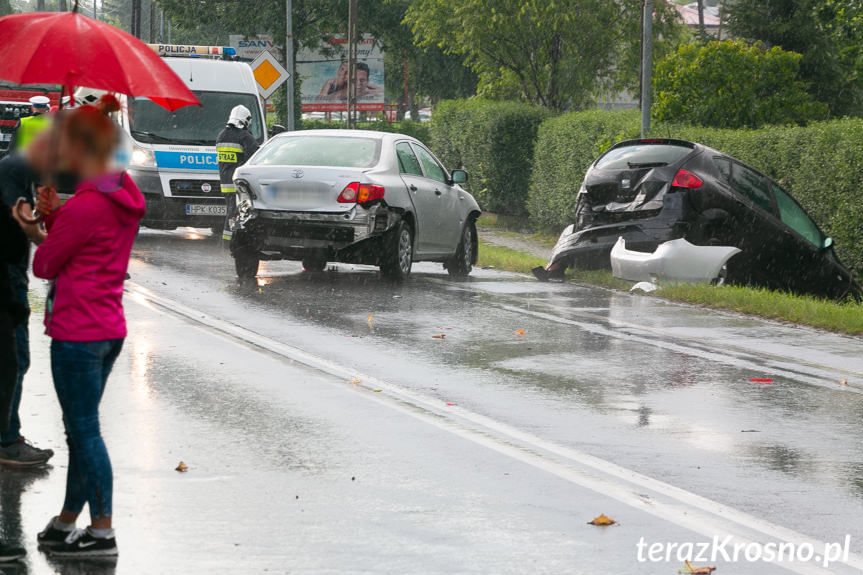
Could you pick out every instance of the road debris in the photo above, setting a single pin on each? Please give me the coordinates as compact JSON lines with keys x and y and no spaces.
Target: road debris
{"x":602,"y":519}
{"x":356,"y":381}
{"x":182,"y":467}
{"x":519,"y":332}
{"x":690,"y":569}
{"x":843,"y":382}
{"x":439,"y":336}
{"x":760,"y":380}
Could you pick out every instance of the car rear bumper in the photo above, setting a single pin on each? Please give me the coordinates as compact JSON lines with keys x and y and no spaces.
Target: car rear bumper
{"x":296,"y":234}
{"x":590,"y":248}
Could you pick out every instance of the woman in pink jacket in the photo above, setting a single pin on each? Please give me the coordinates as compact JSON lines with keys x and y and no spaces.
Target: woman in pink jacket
{"x":86,"y":253}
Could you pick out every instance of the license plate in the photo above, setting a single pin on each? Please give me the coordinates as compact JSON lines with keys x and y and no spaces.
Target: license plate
{"x":5,"y":137}
{"x":206,"y":210}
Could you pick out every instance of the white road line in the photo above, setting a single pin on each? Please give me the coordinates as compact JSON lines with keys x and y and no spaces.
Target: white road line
{"x":699,"y":514}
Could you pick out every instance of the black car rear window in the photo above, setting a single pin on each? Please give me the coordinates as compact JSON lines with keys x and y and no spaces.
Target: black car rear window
{"x":642,"y":155}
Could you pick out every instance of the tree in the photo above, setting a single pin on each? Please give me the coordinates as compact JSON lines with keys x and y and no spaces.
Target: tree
{"x":733,"y":84}
{"x":826,"y":32}
{"x":6,"y":8}
{"x":556,"y":53}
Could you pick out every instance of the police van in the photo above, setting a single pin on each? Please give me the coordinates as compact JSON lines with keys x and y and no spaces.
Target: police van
{"x":173,"y":157}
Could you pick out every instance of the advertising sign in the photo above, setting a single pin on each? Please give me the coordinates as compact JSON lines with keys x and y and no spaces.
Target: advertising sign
{"x":324,"y":73}
{"x":251,"y":47}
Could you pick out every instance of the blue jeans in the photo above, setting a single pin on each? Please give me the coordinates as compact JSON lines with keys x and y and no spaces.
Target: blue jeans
{"x":80,"y":372}
{"x":22,"y":339}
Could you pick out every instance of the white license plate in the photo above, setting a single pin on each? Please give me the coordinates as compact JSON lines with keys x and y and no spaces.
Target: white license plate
{"x":206,"y":210}
{"x":5,"y":137}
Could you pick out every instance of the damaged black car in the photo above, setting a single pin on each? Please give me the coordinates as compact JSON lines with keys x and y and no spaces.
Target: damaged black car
{"x":652,"y":191}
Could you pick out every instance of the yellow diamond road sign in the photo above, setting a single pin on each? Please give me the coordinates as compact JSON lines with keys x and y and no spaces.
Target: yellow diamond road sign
{"x":269,"y":74}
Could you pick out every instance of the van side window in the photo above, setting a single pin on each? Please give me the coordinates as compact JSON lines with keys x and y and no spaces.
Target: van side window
{"x":751,"y":185}
{"x":793,"y":216}
{"x":408,"y":163}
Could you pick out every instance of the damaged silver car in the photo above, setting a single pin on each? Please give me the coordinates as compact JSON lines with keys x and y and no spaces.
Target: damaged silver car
{"x":364,"y":197}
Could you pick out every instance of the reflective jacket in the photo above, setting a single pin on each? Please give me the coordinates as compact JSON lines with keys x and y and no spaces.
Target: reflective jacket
{"x":28,"y":128}
{"x":234,"y":146}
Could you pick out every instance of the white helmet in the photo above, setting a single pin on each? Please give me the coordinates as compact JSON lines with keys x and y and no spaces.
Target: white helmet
{"x":240,"y":117}
{"x":85,"y":96}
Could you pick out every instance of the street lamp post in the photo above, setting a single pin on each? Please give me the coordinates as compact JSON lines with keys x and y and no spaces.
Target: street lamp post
{"x":289,"y":62}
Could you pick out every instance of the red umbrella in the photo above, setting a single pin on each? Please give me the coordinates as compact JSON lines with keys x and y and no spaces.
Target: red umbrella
{"x":70,"y":49}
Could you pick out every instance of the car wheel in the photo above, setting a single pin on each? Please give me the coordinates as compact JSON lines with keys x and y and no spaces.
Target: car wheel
{"x":461,"y":263}
{"x":398,"y":252}
{"x":314,"y":265}
{"x":246,"y":262}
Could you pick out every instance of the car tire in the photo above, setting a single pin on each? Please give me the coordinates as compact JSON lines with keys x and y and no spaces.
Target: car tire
{"x":314,"y":265}
{"x":246,"y":262}
{"x":398,"y":252}
{"x":461,"y":264}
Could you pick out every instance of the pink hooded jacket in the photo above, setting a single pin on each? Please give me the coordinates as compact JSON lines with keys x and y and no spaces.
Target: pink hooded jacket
{"x":87,"y":253}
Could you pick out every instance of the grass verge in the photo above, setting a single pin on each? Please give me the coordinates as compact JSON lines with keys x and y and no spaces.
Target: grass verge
{"x":804,"y":310}
{"x":507,"y":259}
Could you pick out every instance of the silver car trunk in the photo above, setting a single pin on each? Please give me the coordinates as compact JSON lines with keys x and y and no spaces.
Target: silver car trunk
{"x":301,"y":188}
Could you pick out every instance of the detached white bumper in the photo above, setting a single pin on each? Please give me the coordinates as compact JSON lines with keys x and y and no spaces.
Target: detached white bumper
{"x":676,"y":261}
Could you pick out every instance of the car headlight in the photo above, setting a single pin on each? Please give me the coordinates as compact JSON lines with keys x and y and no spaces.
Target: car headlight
{"x":143,"y":158}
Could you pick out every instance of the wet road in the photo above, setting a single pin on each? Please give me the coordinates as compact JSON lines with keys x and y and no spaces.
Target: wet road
{"x":328,"y":431}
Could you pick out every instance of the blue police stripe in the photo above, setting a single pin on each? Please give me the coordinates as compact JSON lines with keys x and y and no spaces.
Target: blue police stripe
{"x":187,"y":160}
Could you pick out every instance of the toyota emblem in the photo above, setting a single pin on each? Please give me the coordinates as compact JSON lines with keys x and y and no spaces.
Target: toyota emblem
{"x":297,"y":174}
{"x":206,"y":187}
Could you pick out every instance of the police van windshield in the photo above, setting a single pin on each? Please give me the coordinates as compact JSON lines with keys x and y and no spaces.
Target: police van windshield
{"x":197,"y":125}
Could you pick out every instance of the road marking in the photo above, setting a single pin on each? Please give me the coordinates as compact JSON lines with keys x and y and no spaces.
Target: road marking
{"x":667,"y":502}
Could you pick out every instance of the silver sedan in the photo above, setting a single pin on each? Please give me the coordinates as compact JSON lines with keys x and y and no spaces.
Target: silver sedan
{"x":365,"y":197}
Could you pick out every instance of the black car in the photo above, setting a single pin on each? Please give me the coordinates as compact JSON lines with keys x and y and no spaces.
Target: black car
{"x":651,"y":191}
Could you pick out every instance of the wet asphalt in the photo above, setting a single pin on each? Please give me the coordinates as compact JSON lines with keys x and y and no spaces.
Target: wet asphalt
{"x":327,"y":430}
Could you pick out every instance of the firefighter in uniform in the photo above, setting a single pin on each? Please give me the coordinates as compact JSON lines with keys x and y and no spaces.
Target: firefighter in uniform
{"x":29,"y":126}
{"x":234,"y":146}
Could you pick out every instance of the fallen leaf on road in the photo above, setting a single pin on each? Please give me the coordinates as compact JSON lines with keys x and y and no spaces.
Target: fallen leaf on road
{"x":760,"y":380}
{"x":602,"y":519}
{"x":439,"y":336}
{"x":843,"y":382}
{"x":378,"y":390}
{"x":182,"y":467}
{"x":370,"y":320}
{"x":356,"y":381}
{"x":450,"y":404}
{"x":519,"y":332}
{"x":689,"y":568}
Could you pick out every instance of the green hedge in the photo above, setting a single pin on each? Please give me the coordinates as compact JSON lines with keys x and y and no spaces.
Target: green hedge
{"x":494,"y":142}
{"x":820,"y":164}
{"x":565,"y":147}
{"x":420,"y":131}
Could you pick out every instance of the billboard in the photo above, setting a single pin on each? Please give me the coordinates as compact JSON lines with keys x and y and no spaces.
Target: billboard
{"x":324,"y":72}
{"x":249,"y":48}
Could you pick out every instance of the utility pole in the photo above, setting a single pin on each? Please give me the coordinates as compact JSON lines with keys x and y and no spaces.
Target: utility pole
{"x":136,"y":19}
{"x":352,"y":64}
{"x":40,"y":5}
{"x":701,"y":32}
{"x":646,"y":67}
{"x":152,"y":21}
{"x":62,"y":6}
{"x":95,"y":10}
{"x":289,"y":62}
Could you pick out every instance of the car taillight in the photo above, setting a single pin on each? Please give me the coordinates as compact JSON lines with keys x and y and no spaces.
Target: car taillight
{"x":357,"y":193}
{"x":685,"y":179}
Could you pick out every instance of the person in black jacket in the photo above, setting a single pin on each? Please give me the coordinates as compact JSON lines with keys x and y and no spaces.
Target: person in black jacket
{"x":234,"y":145}
{"x":13,"y":246}
{"x":18,"y":175}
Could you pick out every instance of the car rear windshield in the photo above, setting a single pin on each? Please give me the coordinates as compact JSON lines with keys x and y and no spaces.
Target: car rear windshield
{"x":328,"y":151}
{"x":642,"y":155}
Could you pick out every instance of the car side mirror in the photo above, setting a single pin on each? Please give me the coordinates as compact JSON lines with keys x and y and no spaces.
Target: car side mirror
{"x":828,"y":243}
{"x":277,"y":129}
{"x":459,"y":177}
